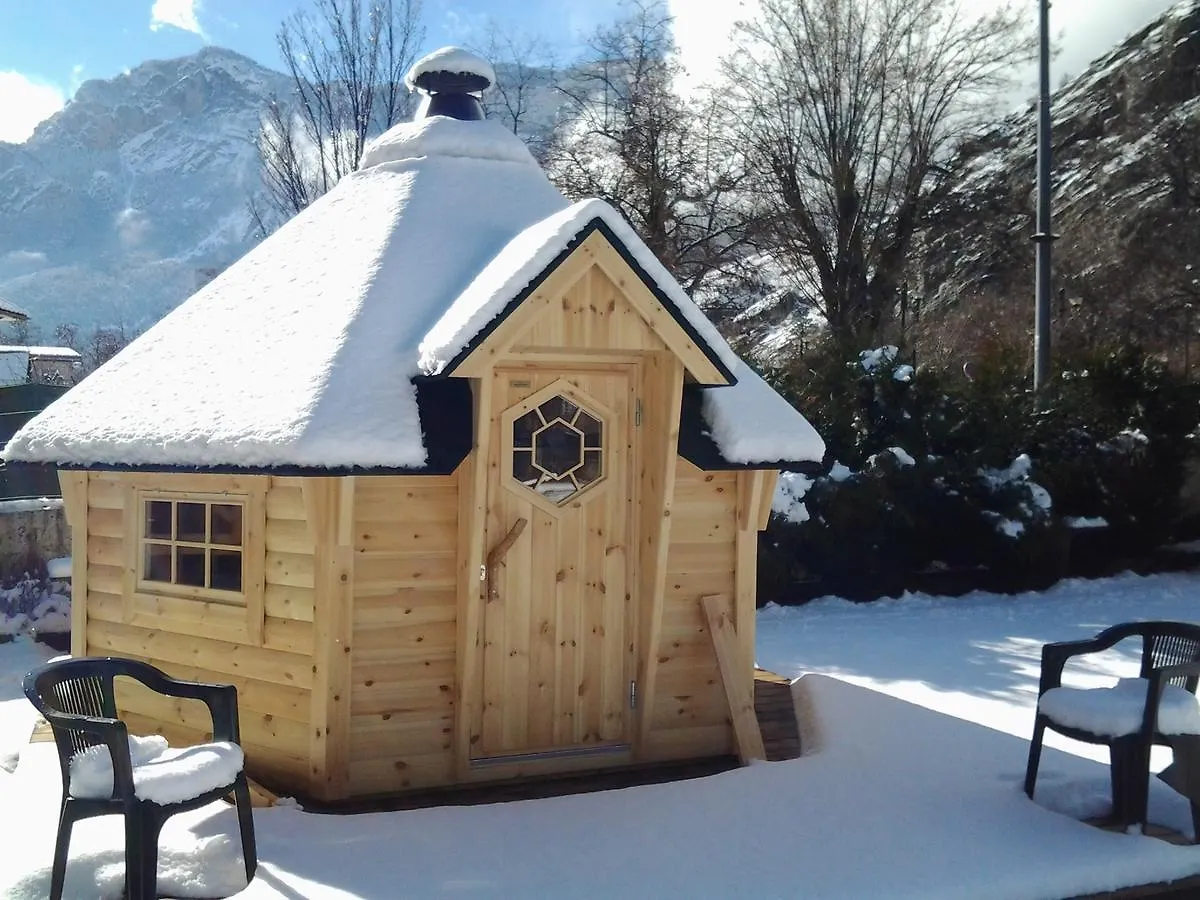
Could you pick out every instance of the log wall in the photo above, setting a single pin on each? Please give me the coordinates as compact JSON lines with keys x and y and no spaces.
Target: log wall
{"x":199,"y":639}
{"x":402,"y":699}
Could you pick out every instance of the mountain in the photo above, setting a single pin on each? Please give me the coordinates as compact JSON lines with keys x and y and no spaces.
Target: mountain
{"x":1126,"y":195}
{"x":120,"y":204}
{"x":138,"y":191}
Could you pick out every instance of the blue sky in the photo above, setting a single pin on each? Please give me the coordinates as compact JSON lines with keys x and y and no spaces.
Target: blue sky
{"x":47,"y":49}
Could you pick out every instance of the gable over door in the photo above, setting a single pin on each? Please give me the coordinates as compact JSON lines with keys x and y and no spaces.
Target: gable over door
{"x":558,"y":624}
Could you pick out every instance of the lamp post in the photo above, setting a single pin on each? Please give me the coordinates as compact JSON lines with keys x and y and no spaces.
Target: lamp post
{"x":1043,"y":238}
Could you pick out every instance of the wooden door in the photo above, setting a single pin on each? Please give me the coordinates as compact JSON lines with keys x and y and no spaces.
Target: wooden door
{"x":557,"y":618}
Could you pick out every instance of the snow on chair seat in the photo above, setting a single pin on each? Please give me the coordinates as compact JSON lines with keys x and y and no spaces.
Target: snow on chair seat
{"x":161,"y":774}
{"x":1118,"y":710}
{"x":92,"y":769}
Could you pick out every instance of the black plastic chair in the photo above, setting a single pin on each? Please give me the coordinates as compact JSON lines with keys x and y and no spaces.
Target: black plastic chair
{"x":1170,"y":656}
{"x":76,"y":697}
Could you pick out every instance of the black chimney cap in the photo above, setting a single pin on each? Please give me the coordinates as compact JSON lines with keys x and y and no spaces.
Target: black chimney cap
{"x":451,"y":78}
{"x":443,"y":82}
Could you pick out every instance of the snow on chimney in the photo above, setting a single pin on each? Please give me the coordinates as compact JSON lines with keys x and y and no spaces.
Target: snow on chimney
{"x":451,"y":81}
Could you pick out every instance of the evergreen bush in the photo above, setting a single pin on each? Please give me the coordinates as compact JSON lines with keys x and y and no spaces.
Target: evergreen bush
{"x":932,"y":468}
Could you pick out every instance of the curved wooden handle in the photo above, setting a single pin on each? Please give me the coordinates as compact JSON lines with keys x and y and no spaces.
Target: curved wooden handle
{"x":496,"y":555}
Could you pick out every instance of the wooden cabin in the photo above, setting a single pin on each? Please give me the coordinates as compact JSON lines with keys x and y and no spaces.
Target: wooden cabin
{"x":448,"y":476}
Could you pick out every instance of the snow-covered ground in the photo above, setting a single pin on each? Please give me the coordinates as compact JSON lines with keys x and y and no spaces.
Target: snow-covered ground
{"x":911,"y":787}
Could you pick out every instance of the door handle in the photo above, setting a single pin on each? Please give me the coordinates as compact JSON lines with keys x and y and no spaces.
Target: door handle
{"x":496,"y":556}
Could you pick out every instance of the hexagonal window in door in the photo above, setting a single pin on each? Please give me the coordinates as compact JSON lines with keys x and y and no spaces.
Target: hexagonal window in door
{"x":558,"y":449}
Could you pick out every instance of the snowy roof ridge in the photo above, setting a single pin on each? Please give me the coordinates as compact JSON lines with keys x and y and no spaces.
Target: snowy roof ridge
{"x":446,"y":138}
{"x":526,"y":257}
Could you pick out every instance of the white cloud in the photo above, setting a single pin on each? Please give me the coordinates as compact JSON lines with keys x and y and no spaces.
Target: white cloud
{"x":133,"y":227}
{"x":24,"y":257}
{"x":1083,"y":30}
{"x":24,"y":102}
{"x":181,"y":14}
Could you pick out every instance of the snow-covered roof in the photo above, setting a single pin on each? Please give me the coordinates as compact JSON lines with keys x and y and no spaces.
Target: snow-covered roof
{"x":303,"y":353}
{"x":43,"y":352}
{"x":750,"y":423}
{"x":11,"y":312}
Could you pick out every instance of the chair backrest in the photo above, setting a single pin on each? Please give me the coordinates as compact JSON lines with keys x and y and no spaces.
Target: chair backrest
{"x":1169,"y":644}
{"x":82,"y":687}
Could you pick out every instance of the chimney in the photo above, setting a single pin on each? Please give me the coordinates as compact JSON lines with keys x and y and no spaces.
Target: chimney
{"x":451,"y":81}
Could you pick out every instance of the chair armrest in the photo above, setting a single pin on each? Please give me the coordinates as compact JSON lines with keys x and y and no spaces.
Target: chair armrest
{"x":113,"y":733}
{"x":1055,"y":657}
{"x":221,"y":700}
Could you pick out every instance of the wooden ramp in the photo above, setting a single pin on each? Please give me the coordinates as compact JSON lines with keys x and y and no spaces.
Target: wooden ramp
{"x":776,"y":713}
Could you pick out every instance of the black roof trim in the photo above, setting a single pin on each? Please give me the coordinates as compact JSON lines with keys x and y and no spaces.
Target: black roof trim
{"x":697,"y":446}
{"x":596,"y":224}
{"x":445,"y":409}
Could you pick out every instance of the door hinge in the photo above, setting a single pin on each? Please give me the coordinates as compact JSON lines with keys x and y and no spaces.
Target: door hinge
{"x":633,"y":695}
{"x":637,"y":413}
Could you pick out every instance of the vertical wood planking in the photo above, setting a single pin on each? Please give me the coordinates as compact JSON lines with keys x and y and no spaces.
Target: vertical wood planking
{"x":330,"y":518}
{"x":663,"y":397}
{"x":255,"y":562}
{"x":491,"y":676}
{"x":568,"y":658}
{"x":750,"y":488}
{"x":556,"y":657}
{"x":517,"y":597}
{"x":597,"y":676}
{"x":74,"y":486}
{"x":472,"y":525}
{"x":132,"y":528}
{"x":546,"y":563}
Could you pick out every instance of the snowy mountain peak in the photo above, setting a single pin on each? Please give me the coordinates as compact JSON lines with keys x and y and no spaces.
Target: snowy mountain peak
{"x":133,"y":193}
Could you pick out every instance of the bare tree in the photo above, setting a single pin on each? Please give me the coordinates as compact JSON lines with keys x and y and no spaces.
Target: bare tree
{"x":67,"y":335}
{"x":628,"y":137}
{"x":347,"y":60}
{"x":525,"y":90}
{"x":846,"y":111}
{"x":20,"y":333}
{"x":103,"y":345}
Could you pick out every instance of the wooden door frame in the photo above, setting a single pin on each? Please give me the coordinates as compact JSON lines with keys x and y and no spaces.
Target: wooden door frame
{"x":473,"y":498}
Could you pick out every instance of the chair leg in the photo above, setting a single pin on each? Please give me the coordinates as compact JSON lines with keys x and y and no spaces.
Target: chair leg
{"x":133,"y":854}
{"x":62,"y":846}
{"x":1117,"y":777}
{"x":241,"y":796}
{"x":1130,"y":762}
{"x":1035,"y":756}
{"x":151,"y":826}
{"x":1139,"y":782}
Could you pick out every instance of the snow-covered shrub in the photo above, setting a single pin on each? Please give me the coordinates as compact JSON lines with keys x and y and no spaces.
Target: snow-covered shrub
{"x":931,"y":467}
{"x":33,"y":603}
